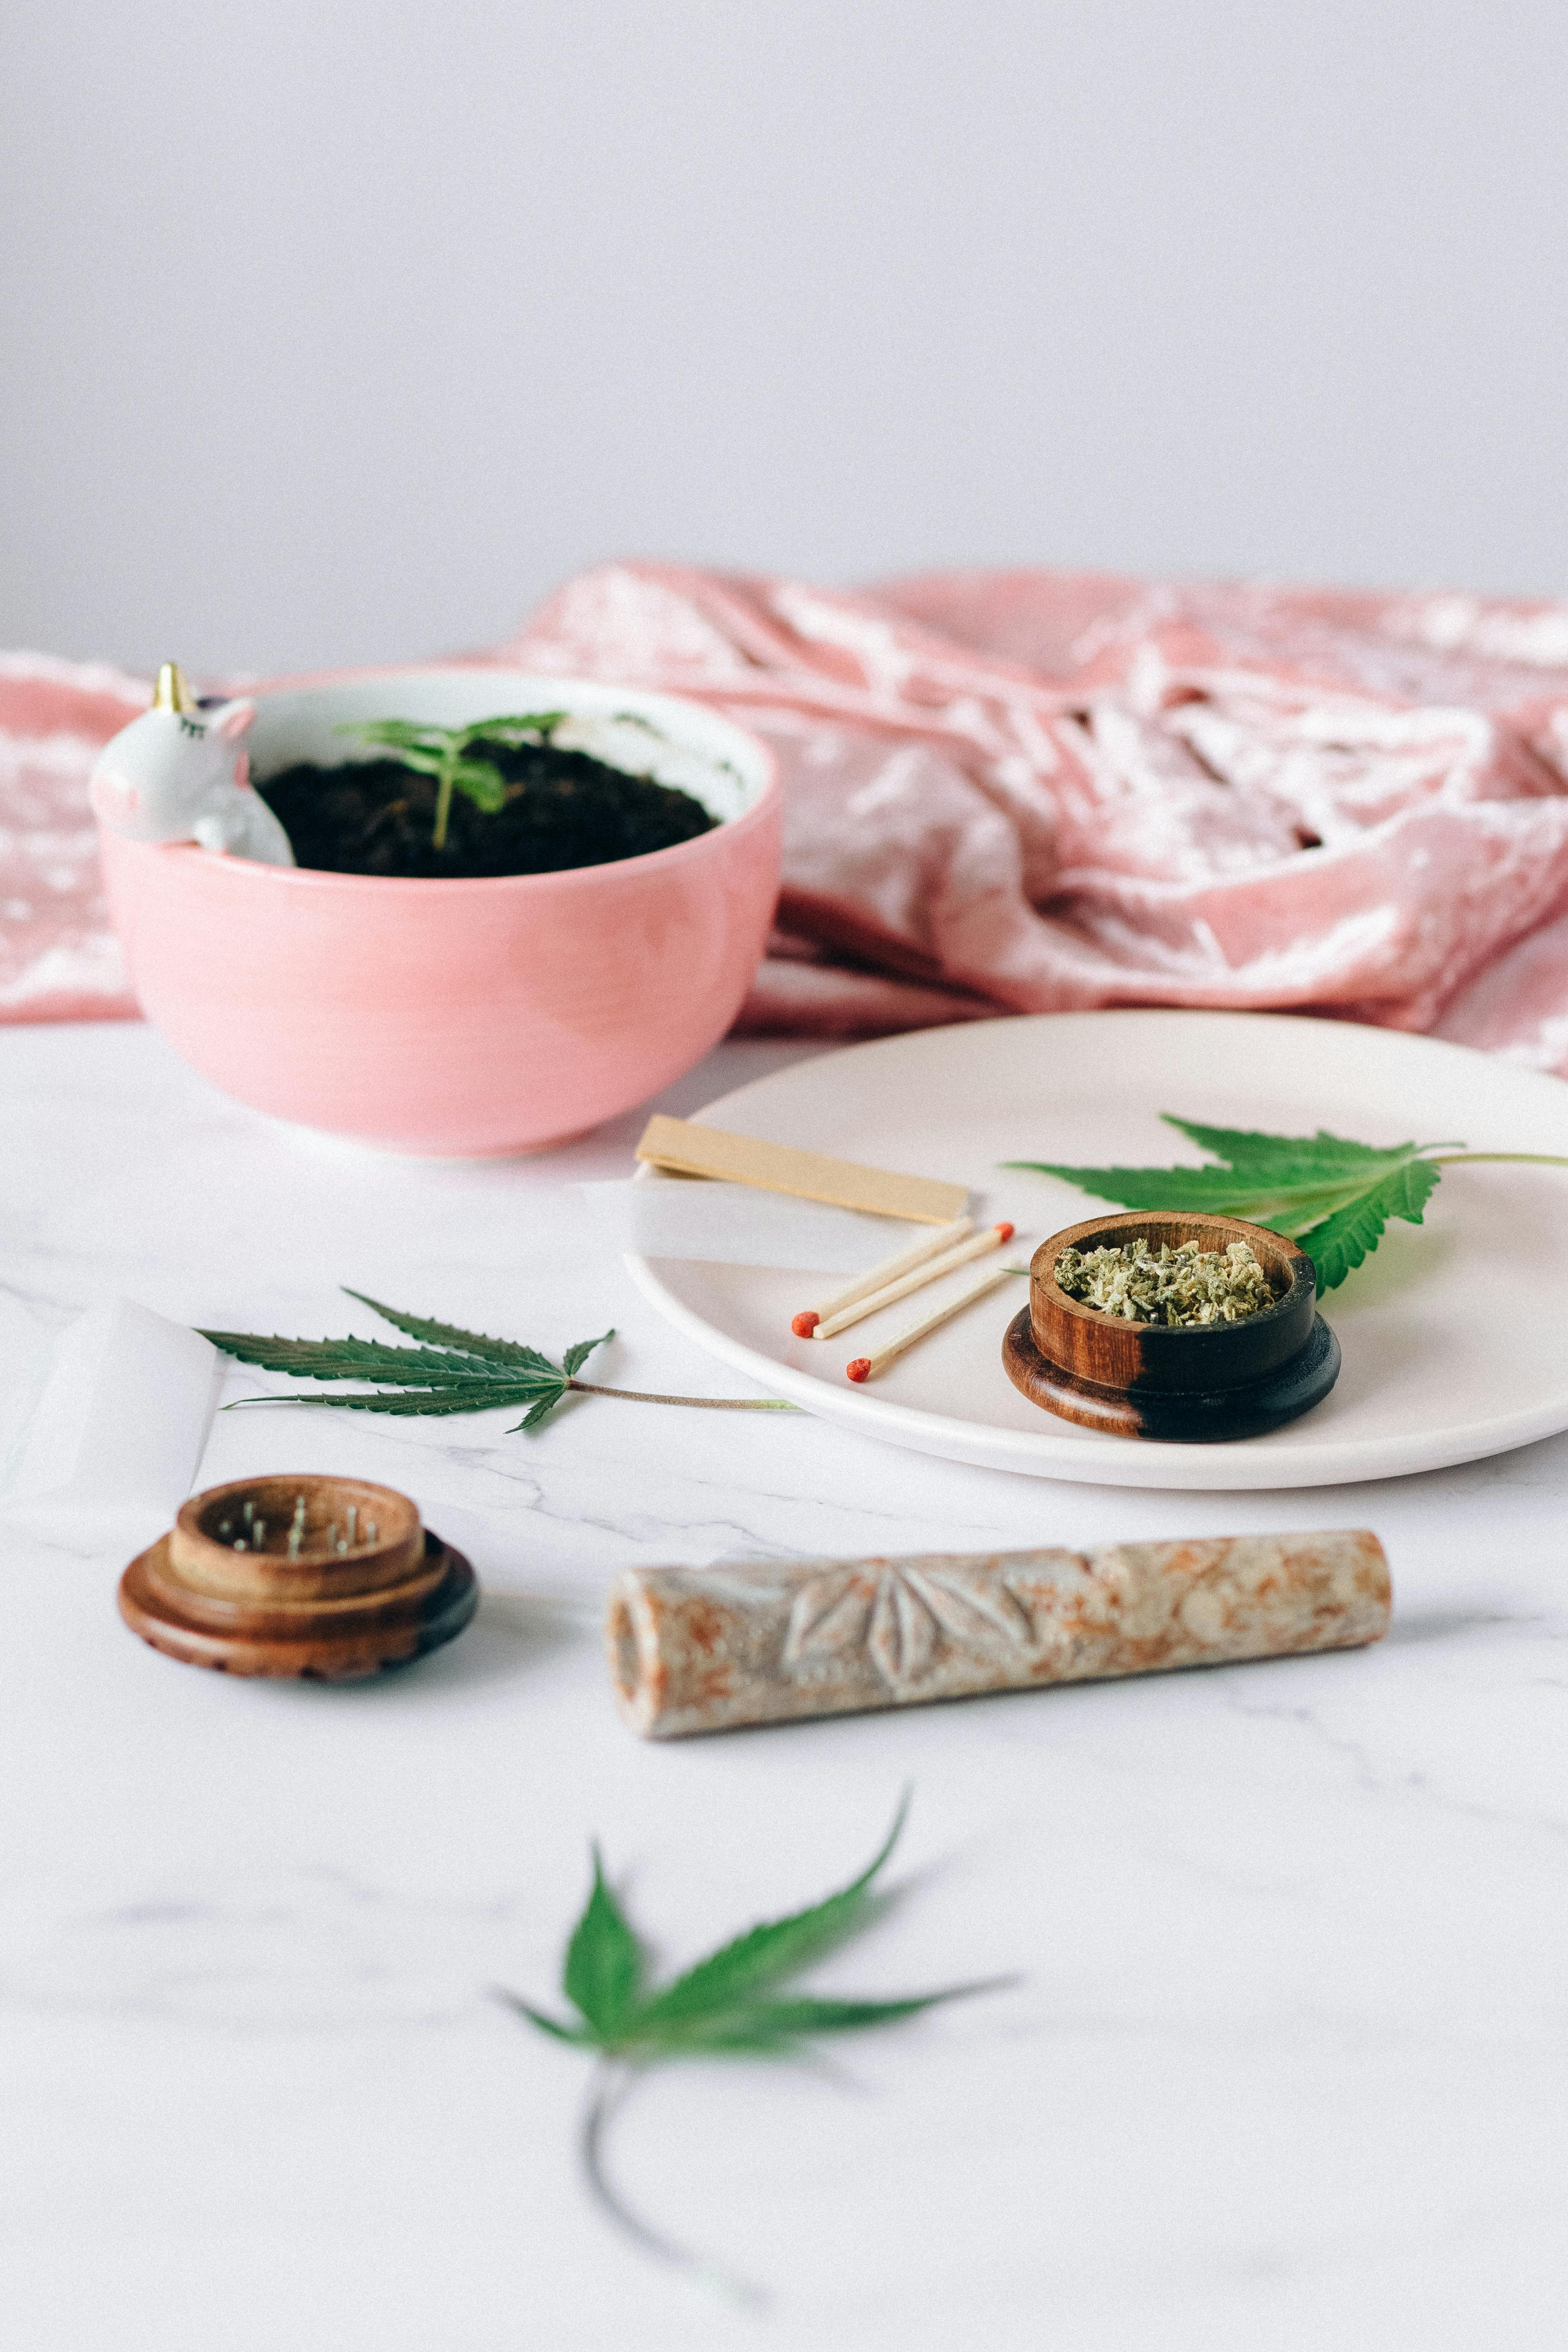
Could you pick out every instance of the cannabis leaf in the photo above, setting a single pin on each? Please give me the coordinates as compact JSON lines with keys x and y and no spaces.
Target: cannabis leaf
{"x":453,"y":1372}
{"x":727,"y":2004}
{"x":441,"y":752}
{"x":1331,"y":1195}
{"x":725,"y":1993}
{"x":604,"y":1961}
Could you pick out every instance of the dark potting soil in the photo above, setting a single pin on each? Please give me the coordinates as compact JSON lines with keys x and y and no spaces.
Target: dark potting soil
{"x":562,"y":808}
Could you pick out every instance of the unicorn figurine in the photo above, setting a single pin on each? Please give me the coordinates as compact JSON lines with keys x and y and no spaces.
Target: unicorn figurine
{"x":178,"y":774}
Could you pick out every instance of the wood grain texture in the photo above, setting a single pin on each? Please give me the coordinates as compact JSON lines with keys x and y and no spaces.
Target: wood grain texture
{"x":330,"y":1610}
{"x":203,"y":1556}
{"x":694,"y":1650}
{"x":696,"y":1150}
{"x":1191,"y":1417}
{"x":1187,"y":1385}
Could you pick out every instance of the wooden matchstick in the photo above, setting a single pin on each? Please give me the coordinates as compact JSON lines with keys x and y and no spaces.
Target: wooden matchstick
{"x":865,"y":1368}
{"x":804,"y":1324}
{"x":949,"y":1261}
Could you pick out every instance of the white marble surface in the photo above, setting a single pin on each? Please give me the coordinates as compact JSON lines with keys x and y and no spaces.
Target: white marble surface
{"x":1286,"y":2064}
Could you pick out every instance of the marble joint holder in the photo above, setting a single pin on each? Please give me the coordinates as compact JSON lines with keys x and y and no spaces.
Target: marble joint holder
{"x":706,"y":1649}
{"x":303,"y":1578}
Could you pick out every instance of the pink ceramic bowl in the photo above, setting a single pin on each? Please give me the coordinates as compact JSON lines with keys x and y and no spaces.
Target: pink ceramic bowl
{"x":456,"y":1017}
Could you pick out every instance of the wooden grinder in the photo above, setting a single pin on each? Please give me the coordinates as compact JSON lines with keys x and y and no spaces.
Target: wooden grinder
{"x":1190,"y":1385}
{"x":328,"y":1579}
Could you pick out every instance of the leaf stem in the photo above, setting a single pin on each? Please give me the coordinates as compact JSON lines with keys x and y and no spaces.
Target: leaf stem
{"x":716,"y":1405}
{"x":449,"y":759}
{"x":610,"y":2089}
{"x":1530,"y":1158}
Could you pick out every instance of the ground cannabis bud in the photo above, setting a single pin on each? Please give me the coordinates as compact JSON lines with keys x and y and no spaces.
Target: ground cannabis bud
{"x":1187,"y":1284}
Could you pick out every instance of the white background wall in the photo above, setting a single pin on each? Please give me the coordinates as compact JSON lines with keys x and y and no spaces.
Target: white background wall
{"x":340,"y":332}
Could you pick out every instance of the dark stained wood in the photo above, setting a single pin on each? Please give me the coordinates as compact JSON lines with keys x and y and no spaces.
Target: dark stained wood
{"x":323,"y":1613}
{"x":1191,"y":1386}
{"x":1196,"y":1418}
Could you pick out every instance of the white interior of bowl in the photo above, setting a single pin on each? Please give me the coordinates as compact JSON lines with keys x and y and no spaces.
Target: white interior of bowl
{"x":676,"y":743}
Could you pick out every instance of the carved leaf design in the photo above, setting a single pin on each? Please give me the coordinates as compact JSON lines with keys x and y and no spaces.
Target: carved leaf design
{"x":981,"y":1615}
{"x":903,"y":1636}
{"x":905,"y":1620}
{"x":829,"y":1616}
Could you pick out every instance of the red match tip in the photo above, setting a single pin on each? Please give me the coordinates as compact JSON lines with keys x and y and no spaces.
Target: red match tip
{"x":805,"y":1323}
{"x":1006,"y":1232}
{"x":860,"y":1369}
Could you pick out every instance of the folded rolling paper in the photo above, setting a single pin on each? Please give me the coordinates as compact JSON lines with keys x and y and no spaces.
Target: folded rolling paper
{"x":733,"y":1224}
{"x":113,"y":1442}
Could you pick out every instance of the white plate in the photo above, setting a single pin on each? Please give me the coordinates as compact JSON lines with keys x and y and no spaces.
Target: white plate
{"x":1453,"y":1335}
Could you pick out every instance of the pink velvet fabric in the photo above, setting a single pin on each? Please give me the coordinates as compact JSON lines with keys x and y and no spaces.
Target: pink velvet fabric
{"x":1029,"y":792}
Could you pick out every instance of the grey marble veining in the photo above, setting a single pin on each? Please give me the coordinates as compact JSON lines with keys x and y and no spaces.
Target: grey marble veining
{"x":1286,"y":2062}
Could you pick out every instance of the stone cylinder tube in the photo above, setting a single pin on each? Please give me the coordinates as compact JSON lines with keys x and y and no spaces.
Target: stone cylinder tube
{"x":694,"y":1650}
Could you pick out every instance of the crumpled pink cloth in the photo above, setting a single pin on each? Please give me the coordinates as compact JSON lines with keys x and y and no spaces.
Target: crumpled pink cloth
{"x":1031,"y":791}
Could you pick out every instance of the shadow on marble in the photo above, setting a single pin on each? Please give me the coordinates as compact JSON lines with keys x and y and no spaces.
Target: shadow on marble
{"x":512,"y":1633}
{"x":1441,"y":1624}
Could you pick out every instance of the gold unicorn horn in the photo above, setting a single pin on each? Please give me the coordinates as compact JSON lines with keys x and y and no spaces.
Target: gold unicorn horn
{"x":173,"y":693}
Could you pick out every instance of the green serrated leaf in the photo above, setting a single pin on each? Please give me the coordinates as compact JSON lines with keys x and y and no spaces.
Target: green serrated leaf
{"x":1209,"y":1191}
{"x":764,"y":1954}
{"x":408,"y":1402}
{"x":479,"y":783}
{"x":503,"y":1352}
{"x":721,"y":2006}
{"x":628,"y":2034}
{"x":438,"y":751}
{"x":604,"y":1962}
{"x":1289,"y":1188}
{"x":556,"y":2026}
{"x":1324,"y":1191}
{"x":1247,"y":1149}
{"x":396,"y":734}
{"x":540,"y":1411}
{"x":772,"y":2025}
{"x":578,"y":1353}
{"x":370,"y":1360}
{"x":508,"y":731}
{"x":463,"y":1371}
{"x":1342,"y":1242}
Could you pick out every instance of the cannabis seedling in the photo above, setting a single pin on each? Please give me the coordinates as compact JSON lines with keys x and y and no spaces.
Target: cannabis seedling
{"x":727,"y":2005}
{"x":1331,"y":1196}
{"x":453,"y":1370}
{"x":442,"y":753}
